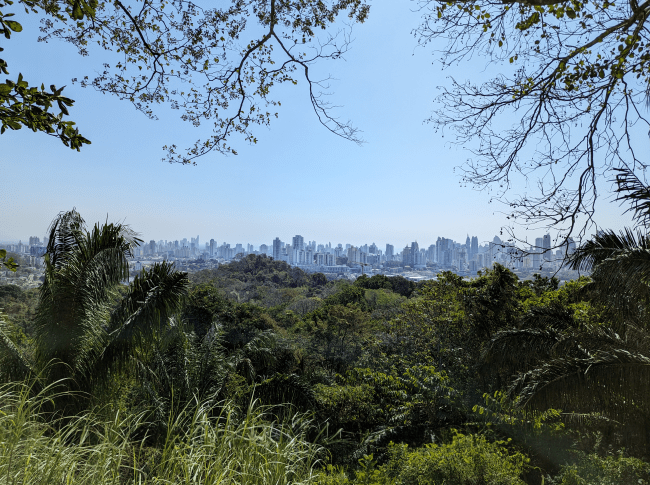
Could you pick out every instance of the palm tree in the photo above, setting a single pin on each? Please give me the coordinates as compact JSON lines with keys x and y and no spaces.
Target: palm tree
{"x":85,"y":330}
{"x":596,"y":369}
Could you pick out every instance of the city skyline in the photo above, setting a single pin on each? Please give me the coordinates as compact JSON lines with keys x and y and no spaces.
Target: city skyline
{"x":465,"y":259}
{"x":397,"y":246}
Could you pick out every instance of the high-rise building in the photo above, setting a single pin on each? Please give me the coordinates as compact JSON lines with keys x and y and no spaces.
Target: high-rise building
{"x":372,"y":249}
{"x":277,"y":249}
{"x":474,"y":248}
{"x":431,"y":253}
{"x":546,"y":244}
{"x":495,"y":248}
{"x":570,"y":246}
{"x":390,"y":251}
{"x":354,"y":255}
{"x":323,"y":259}
{"x":213,"y":246}
{"x":298,"y":242}
{"x":445,"y":251}
{"x":406,"y":256}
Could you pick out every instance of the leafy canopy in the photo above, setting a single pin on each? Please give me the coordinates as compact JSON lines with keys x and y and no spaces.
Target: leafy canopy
{"x":21,"y":105}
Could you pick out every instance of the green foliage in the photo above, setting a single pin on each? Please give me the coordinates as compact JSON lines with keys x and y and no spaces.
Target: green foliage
{"x":85,"y":332}
{"x":21,"y":105}
{"x":240,"y":322}
{"x":592,"y":469}
{"x":397,"y":284}
{"x":222,"y":446}
{"x":8,"y":263}
{"x":338,"y":332}
{"x":411,"y":406}
{"x":466,"y":460}
{"x":372,"y":362}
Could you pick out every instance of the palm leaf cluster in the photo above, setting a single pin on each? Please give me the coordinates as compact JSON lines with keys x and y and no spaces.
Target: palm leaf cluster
{"x":599,"y":369}
{"x":86,"y":329}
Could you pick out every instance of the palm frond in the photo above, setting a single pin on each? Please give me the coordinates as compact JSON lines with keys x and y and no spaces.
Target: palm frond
{"x":554,"y":315}
{"x":65,"y":232}
{"x":605,"y":245}
{"x":258,"y":353}
{"x":622,"y":281}
{"x":153,"y":298}
{"x":631,"y":189}
{"x":82,"y":272}
{"x":516,"y":350}
{"x":13,"y":364}
{"x":615,"y":383}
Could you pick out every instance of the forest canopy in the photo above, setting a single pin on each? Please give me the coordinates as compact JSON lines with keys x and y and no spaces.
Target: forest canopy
{"x":380,"y":380}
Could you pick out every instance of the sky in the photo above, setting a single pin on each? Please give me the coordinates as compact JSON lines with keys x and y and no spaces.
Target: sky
{"x":402,"y":185}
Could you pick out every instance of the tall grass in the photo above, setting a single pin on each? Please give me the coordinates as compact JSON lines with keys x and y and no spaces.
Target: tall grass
{"x":200,"y":447}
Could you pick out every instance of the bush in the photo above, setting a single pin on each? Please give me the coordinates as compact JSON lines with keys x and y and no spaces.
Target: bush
{"x":467,"y":460}
{"x":591,"y":469}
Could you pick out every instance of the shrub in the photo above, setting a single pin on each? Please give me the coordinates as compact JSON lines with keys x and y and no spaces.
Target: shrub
{"x":591,"y":469}
{"x":467,"y":460}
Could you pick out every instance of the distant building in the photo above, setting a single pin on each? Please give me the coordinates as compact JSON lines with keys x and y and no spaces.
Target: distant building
{"x":406,"y":256}
{"x":474,"y":247}
{"x":298,"y":242}
{"x":277,"y":249}
{"x":546,"y":245}
{"x":390,"y":251}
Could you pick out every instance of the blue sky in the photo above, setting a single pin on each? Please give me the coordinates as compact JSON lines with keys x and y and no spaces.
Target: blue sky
{"x":298,"y":179}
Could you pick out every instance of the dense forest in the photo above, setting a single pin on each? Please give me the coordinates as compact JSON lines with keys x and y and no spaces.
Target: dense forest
{"x":258,"y":372}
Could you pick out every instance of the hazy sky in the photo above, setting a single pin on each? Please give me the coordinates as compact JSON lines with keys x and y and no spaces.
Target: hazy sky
{"x":299,"y":178}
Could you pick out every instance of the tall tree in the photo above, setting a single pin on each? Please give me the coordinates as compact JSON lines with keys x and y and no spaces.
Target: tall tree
{"x":593,"y":368}
{"x":217,"y":65}
{"x":21,"y":105}
{"x":569,"y":103}
{"x":84,"y":328}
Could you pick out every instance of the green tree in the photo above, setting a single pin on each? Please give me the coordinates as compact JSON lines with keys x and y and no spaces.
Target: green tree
{"x":21,"y":105}
{"x":564,"y":108}
{"x":219,"y":65}
{"x":594,"y":367}
{"x":85,"y":330}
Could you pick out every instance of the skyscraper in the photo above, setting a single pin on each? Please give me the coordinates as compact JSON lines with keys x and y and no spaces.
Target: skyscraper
{"x":414,"y":255}
{"x":277,"y":248}
{"x":548,"y":255}
{"x":406,"y":256}
{"x":390,"y":250}
{"x":474,"y":250}
{"x":431,"y":253}
{"x":298,"y":243}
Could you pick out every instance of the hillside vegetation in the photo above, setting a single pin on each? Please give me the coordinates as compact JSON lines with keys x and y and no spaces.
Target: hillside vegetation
{"x":260,"y":373}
